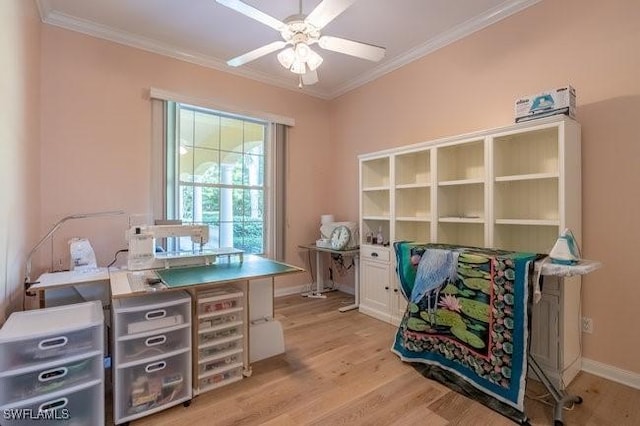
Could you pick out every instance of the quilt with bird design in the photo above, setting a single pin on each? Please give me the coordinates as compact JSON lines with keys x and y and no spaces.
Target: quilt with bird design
{"x":467,"y":317}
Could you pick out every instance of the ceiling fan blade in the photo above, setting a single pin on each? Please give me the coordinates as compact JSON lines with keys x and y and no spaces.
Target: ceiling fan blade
{"x":309,"y":78}
{"x":253,"y":13}
{"x":255,"y":54}
{"x":353,"y":48}
{"x":326,"y":11}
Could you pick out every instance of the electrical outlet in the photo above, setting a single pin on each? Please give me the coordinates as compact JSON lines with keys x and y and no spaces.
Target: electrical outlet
{"x":587,"y":325}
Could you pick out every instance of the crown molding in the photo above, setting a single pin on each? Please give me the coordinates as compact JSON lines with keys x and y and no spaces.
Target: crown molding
{"x":504,"y":10}
{"x":456,"y":33}
{"x":52,"y":17}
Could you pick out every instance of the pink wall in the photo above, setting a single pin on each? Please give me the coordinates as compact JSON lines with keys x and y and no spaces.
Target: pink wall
{"x":19,"y":145}
{"x":96,"y":131}
{"x":96,"y":123}
{"x":472,"y":85}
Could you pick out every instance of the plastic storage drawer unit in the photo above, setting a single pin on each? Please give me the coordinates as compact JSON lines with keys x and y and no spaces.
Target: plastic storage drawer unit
{"x":45,"y":335}
{"x":51,"y":366}
{"x":152,"y":357}
{"x":80,"y":405}
{"x":222,"y":350}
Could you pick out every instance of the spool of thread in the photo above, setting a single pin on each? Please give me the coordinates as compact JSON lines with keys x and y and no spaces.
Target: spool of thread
{"x":326,"y":218}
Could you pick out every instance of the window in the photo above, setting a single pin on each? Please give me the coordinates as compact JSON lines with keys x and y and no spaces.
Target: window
{"x":215,"y":174}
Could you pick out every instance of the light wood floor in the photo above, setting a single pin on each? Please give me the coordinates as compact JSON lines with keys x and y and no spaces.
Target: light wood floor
{"x":338,"y":370}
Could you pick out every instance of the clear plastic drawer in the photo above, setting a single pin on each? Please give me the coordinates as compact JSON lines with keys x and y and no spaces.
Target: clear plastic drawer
{"x":218,"y":379}
{"x":153,"y":317}
{"x":227,"y":359}
{"x":153,"y":384}
{"x":153,"y":344}
{"x":80,"y":405}
{"x":45,"y":380}
{"x":56,"y":346}
{"x":48,"y":335}
{"x":208,"y":336}
{"x":220,"y":320}
{"x":221,"y":300}
{"x":216,"y":348}
{"x":217,"y":307}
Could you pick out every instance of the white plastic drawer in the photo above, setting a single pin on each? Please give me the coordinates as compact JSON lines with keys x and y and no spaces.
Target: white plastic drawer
{"x":152,"y":384}
{"x":218,"y":379}
{"x":217,"y":348}
{"x":152,"y":318}
{"x":222,"y":293}
{"x":45,"y":380}
{"x":218,"y":307}
{"x":218,"y":364}
{"x":153,"y":344}
{"x":378,"y":253}
{"x":220,"y":333}
{"x":81,"y":405}
{"x":220,"y":320}
{"x":56,"y":346}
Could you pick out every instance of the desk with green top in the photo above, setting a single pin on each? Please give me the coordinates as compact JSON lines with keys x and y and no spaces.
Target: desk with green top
{"x":197,"y":279}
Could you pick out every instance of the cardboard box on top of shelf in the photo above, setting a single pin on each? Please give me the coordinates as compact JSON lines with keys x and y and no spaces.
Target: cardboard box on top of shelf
{"x":550,"y":102}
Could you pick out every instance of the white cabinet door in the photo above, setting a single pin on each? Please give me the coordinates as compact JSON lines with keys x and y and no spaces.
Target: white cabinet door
{"x":375,"y":289}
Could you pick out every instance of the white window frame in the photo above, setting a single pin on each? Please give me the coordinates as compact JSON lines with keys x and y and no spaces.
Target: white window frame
{"x":275,"y":163}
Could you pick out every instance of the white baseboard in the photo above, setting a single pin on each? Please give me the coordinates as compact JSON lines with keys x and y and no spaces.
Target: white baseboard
{"x":609,"y":372}
{"x":287,"y":291}
{"x":299,"y":289}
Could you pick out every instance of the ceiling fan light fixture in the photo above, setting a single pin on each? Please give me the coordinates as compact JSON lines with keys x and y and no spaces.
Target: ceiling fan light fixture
{"x":302,"y":51}
{"x":299,"y":59}
{"x":286,"y":57}
{"x":299,"y":67}
{"x":314,"y":60}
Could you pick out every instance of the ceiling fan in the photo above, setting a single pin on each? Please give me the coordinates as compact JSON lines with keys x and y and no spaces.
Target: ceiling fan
{"x":299,"y":33}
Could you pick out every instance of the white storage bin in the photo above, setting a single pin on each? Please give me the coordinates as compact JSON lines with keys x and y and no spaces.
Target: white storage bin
{"x":153,"y":344}
{"x":79,"y":405}
{"x":46,"y":335}
{"x":151,"y":385}
{"x":50,"y":378}
{"x":151,"y":312}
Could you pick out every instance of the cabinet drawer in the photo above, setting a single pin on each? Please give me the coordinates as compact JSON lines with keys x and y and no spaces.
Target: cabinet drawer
{"x":219,"y":307}
{"x":152,"y":345}
{"x":56,"y":346}
{"x":152,"y":318}
{"x":151,"y":385}
{"x":45,"y":380}
{"x":220,"y":378}
{"x":80,"y":405}
{"x":218,"y":348}
{"x":219,"y":333}
{"x":224,"y":362}
{"x":375,"y":253}
{"x":219,"y":321}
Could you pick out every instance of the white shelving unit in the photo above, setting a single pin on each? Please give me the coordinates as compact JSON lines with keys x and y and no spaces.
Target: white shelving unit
{"x":513,"y":188}
{"x":221,"y":354}
{"x":152,"y":354}
{"x":51,"y":361}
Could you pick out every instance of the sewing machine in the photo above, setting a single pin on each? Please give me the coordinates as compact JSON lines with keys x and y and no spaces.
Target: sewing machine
{"x":144,"y":255}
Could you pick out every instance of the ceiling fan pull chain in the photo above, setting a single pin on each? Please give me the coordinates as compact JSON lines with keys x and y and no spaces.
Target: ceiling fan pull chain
{"x":300,"y":6}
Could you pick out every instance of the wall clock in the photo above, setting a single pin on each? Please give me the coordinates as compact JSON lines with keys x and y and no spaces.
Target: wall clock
{"x":340,"y":237}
